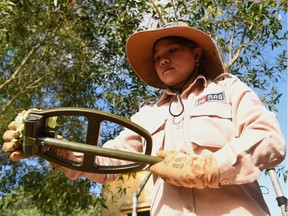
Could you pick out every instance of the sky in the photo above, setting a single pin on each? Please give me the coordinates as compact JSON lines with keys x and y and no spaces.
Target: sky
{"x":282,"y":115}
{"x":264,"y":180}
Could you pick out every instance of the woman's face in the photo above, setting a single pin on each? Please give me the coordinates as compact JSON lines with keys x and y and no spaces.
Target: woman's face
{"x":175,"y":62}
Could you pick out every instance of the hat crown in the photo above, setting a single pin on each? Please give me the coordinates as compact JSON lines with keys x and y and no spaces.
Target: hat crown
{"x":175,"y":24}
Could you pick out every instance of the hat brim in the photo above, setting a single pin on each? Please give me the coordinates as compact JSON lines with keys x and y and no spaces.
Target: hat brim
{"x":139,"y":49}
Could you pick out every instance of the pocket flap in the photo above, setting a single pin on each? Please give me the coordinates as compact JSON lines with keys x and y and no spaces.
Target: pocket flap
{"x":221,"y":110}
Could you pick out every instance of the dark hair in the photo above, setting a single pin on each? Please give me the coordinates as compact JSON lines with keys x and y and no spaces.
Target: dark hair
{"x":180,"y":40}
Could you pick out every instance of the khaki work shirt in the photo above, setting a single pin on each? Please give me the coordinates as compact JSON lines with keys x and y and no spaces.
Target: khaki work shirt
{"x":224,"y":118}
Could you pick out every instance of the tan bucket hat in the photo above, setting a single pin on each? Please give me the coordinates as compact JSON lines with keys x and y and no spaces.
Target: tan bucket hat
{"x":139,"y":49}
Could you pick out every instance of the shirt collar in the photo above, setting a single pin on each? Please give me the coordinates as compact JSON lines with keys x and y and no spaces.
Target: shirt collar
{"x":200,"y":80}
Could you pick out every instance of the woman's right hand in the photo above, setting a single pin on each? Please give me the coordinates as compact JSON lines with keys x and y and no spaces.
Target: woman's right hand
{"x":12,"y":144}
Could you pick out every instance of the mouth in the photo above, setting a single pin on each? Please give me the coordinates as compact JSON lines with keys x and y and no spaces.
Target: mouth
{"x":167,"y":70}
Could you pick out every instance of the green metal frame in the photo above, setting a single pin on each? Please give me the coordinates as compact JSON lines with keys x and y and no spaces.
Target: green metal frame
{"x":38,"y":136}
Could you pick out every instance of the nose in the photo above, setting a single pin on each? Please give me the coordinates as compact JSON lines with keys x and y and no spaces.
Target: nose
{"x":164,"y":61}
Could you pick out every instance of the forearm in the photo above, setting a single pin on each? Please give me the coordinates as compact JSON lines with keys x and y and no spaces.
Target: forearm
{"x":258,"y":143}
{"x":126,"y":141}
{"x":99,"y":178}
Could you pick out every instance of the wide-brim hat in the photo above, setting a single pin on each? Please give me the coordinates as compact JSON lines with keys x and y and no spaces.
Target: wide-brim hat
{"x":139,"y":49}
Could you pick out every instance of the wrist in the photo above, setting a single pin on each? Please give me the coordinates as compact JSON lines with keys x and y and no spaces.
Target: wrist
{"x":212,"y":172}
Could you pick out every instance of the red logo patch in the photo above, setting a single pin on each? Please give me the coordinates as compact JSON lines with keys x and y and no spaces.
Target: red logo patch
{"x":216,"y":97}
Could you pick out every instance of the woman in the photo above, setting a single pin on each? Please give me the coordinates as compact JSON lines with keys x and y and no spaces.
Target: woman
{"x":213,"y":132}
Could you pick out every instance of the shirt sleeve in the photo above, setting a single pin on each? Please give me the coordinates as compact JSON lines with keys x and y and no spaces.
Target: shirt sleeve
{"x":258,"y":143}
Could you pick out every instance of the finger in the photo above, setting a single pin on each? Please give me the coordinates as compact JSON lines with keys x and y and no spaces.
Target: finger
{"x":14,"y":125}
{"x":10,"y":146}
{"x":183,"y":151}
{"x":16,"y":155}
{"x":53,"y":166}
{"x":155,"y":168}
{"x":23,"y":112}
{"x":164,"y":153}
{"x":59,"y":152}
{"x":9,"y":135}
{"x":62,"y":153}
{"x":59,"y":137}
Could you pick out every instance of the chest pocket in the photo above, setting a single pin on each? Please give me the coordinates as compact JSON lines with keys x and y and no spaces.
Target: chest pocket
{"x":210,"y":125}
{"x":154,"y":123}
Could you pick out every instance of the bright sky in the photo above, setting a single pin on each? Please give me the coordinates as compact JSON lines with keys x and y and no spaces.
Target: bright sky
{"x":265,"y":181}
{"x":282,"y":115}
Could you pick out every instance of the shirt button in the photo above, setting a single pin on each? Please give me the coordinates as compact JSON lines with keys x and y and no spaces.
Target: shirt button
{"x":188,"y":209}
{"x":226,"y":181}
{"x":178,"y":126}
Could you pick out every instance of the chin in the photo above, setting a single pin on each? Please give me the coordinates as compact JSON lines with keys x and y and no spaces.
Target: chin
{"x":171,"y":83}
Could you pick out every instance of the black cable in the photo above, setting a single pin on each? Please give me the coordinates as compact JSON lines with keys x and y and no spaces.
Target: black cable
{"x":181,"y":102}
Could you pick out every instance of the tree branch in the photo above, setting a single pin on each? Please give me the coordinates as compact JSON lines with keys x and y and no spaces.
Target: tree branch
{"x":155,"y":7}
{"x":221,"y":53}
{"x":231,"y":43}
{"x":26,"y":58}
{"x":19,"y":68}
{"x":241,"y":47}
{"x":22,"y":91}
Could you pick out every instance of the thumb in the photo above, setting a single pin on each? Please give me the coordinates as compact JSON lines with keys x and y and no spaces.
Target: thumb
{"x":164,"y":153}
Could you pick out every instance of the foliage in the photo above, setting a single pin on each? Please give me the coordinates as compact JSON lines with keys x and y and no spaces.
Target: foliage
{"x":72,"y":53}
{"x":53,"y":55}
{"x":49,"y":193}
{"x":45,"y":195}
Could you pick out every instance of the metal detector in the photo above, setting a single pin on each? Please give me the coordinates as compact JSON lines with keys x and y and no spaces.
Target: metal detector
{"x":38,"y":136}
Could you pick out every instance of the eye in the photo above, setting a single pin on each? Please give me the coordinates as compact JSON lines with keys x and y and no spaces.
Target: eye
{"x":172,"y":50}
{"x":156,"y":58}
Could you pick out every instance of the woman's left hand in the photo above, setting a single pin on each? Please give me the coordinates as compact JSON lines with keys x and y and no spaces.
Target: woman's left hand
{"x":181,"y":169}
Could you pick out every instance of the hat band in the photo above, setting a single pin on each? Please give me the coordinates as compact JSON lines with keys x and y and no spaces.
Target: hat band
{"x":174,"y":24}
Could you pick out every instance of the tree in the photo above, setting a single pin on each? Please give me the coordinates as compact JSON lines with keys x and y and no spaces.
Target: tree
{"x":38,"y":195}
{"x":71,"y":53}
{"x":55,"y":55}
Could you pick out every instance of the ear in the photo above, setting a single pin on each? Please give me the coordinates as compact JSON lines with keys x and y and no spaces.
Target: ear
{"x":197,"y":54}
